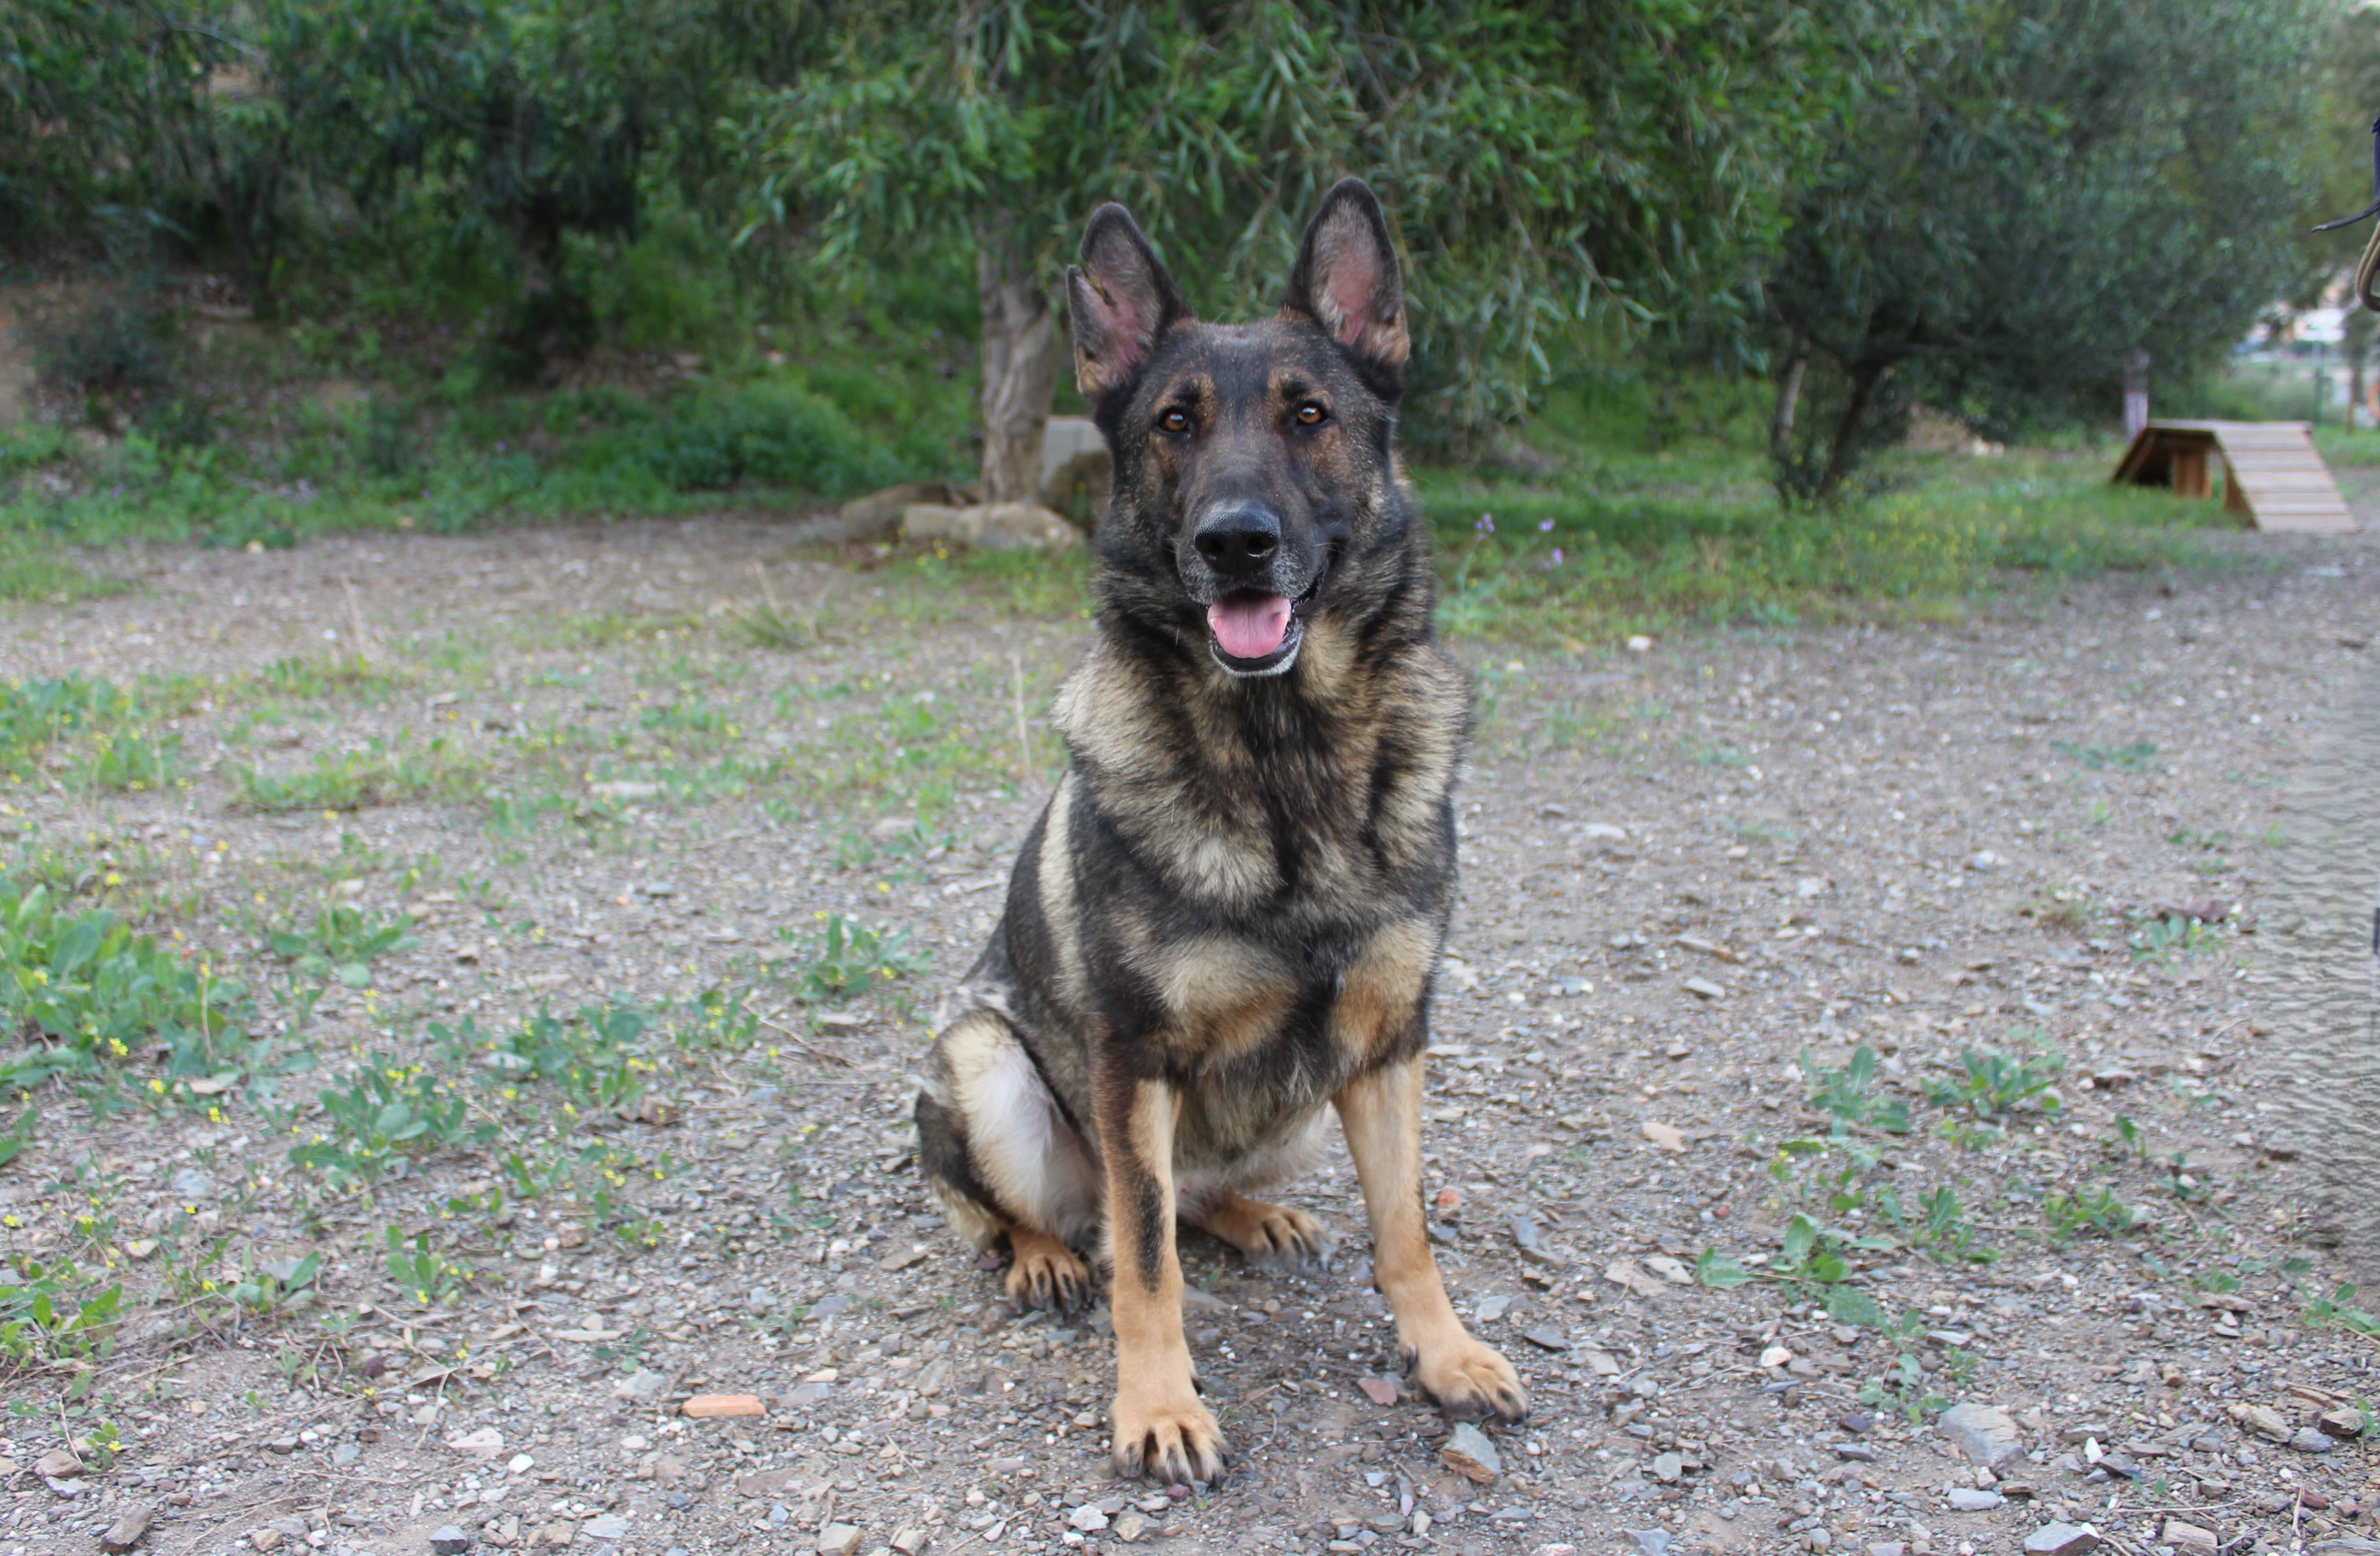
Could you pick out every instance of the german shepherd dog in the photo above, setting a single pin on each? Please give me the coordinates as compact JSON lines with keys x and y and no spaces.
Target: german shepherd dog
{"x":1230,"y":912}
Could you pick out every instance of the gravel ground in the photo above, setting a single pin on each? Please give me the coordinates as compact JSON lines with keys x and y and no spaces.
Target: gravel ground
{"x":1688,"y":865}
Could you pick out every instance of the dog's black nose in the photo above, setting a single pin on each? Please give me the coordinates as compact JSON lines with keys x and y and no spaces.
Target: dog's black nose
{"x":1238,"y":539}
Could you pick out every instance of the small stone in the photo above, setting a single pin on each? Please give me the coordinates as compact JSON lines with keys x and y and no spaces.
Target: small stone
{"x":1546,"y":1337}
{"x":1857,"y":1422}
{"x":1820,"y":1538}
{"x":1487,"y":1309}
{"x":1130,"y":1527}
{"x":1649,"y":1542}
{"x":127,"y":1531}
{"x":2189,"y":1538}
{"x":345,"y":1454}
{"x":1888,"y":1548}
{"x":644,"y":1385}
{"x":1985,"y":1433}
{"x":2061,"y":1539}
{"x":1470,"y":1453}
{"x":703,"y":1407}
{"x":485,"y":1443}
{"x":1858,"y":1452}
{"x":285,"y":1444}
{"x":1379,"y":1390}
{"x":1088,"y":1518}
{"x":605,"y":1525}
{"x":2312,"y":1440}
{"x":58,"y":1463}
{"x":1775,"y":1356}
{"x":2262,"y":1419}
{"x":448,"y":1539}
{"x":1668,"y":1467}
{"x":2345,"y":1421}
{"x":912,"y":1540}
{"x":838,"y":1539}
{"x":265,"y":1538}
{"x":1966,"y":1499}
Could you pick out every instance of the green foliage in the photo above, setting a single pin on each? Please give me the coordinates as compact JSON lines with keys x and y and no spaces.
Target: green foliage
{"x":2085,"y":1209}
{"x":1540,"y":211}
{"x":424,"y":1275}
{"x":20,"y":1135}
{"x":1989,"y":1083}
{"x":2134,"y":758}
{"x":2022,"y":194}
{"x":1844,"y":1094}
{"x":1809,"y":1257}
{"x":2160,"y":937}
{"x":90,"y":993}
{"x":1935,"y":1226}
{"x":846,"y":958}
{"x":136,"y":763}
{"x":2338,"y":1311}
{"x":384,"y":772}
{"x":48,"y":1314}
{"x":343,"y":942}
{"x":392,"y":1110}
{"x":1904,"y":1384}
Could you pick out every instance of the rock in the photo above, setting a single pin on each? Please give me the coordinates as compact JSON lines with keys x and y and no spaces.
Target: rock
{"x":2189,"y":1538}
{"x":2345,"y":1421}
{"x":1546,"y":1337}
{"x":1487,"y":1309}
{"x":1858,"y":1452}
{"x":2351,"y":1545}
{"x":1857,"y":1422}
{"x":2312,"y":1439}
{"x":1379,"y":1390}
{"x":58,"y":1463}
{"x":266,"y":1539}
{"x":127,"y":1531}
{"x":1985,"y":1433}
{"x":345,"y":1454}
{"x":877,"y":516}
{"x":194,"y":1183}
{"x":1649,"y":1542}
{"x":1702,"y":988}
{"x":2262,"y":1419}
{"x":1668,"y":1467}
{"x":705,"y":1407}
{"x":991,"y":526}
{"x":605,"y":1525}
{"x":1888,"y":1548}
{"x":1775,"y":1356}
{"x":483,"y":1444}
{"x":838,"y":1539}
{"x":1088,"y":1518}
{"x":1623,"y":1272}
{"x":1561,"y":1549}
{"x":1470,"y":1453}
{"x":1966,"y":1499}
{"x":912,"y":1540}
{"x":448,"y":1539}
{"x":2061,"y":1539}
{"x":644,"y":1385}
{"x":1075,"y":459}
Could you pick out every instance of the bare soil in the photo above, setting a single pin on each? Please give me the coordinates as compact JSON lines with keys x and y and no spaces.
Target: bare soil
{"x":1687,"y":866}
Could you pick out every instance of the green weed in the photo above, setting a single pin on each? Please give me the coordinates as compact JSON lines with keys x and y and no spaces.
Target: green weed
{"x":343,"y":942}
{"x":2165,"y":936}
{"x":50,"y":1315}
{"x":1844,"y":1094}
{"x":425,"y":1276}
{"x":390,"y":1112}
{"x":1990,"y":1084}
{"x":846,"y":959}
{"x":135,"y":763}
{"x":1809,"y":1257}
{"x":2135,"y":757}
{"x":2085,"y":1209}
{"x":383,"y":773}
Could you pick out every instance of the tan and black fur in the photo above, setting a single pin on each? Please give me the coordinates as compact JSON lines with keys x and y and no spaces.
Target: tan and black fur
{"x":1227,"y":920}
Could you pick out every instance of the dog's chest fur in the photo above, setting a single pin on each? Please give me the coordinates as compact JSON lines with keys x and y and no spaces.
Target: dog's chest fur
{"x":1257,"y":876}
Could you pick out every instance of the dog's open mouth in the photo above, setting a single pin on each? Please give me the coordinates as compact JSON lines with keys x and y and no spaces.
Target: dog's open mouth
{"x":1259,"y":634}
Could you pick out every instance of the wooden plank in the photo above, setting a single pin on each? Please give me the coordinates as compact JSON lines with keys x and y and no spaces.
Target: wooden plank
{"x":2273,"y":477}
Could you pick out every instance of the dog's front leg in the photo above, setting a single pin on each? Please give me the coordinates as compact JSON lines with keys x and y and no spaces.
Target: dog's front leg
{"x":1381,"y":1113}
{"x":1162,"y":1429}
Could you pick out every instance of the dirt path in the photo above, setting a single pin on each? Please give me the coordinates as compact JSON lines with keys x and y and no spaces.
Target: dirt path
{"x":1686,"y":867}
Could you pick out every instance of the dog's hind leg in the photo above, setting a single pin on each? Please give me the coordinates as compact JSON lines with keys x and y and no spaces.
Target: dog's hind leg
{"x":1266,"y":1234}
{"x":1004,"y":1162}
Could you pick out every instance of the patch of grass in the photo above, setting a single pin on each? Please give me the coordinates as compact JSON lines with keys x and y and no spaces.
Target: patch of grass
{"x":391,"y":1111}
{"x":843,"y":959}
{"x":2134,"y":758}
{"x":135,"y":763}
{"x":1990,"y":1083}
{"x":2161,"y":937}
{"x":2085,"y":1209}
{"x":383,"y":773}
{"x":34,"y":568}
{"x":1844,"y":1094}
{"x":315,"y":678}
{"x":343,"y":942}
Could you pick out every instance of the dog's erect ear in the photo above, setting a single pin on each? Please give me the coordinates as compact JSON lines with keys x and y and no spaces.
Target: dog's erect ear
{"x":1347,"y":281}
{"x":1119,"y":302}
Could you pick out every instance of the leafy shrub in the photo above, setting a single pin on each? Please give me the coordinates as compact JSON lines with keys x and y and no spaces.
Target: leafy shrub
{"x":114,"y":349}
{"x":763,"y":435}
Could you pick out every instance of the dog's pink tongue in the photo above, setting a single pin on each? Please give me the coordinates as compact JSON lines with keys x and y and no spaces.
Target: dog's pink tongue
{"x":1249,"y":626}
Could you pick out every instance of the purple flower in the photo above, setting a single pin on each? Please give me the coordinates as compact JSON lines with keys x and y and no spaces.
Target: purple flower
{"x":1487,"y":524}
{"x":1555,"y":560}
{"x":1545,"y":527}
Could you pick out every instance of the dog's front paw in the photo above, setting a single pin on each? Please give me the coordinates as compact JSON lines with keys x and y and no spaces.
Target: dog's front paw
{"x":1166,"y":1433}
{"x":1469,"y":1381}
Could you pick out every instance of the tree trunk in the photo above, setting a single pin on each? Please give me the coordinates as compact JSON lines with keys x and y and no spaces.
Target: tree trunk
{"x":1020,"y":357}
{"x":1789,"y":399}
{"x":1845,"y":451}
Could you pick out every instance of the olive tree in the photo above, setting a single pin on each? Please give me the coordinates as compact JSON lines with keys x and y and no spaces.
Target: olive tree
{"x":1555,"y":173}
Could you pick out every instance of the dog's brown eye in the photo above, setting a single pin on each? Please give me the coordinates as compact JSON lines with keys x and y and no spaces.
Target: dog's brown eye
{"x":1311,"y":414}
{"x":1175,"y":422}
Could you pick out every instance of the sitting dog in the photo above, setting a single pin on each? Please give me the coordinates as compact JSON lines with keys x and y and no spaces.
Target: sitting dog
{"x":1231,"y":910}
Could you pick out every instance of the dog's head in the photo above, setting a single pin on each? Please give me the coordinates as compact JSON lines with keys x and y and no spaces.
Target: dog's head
{"x":1255,"y":483}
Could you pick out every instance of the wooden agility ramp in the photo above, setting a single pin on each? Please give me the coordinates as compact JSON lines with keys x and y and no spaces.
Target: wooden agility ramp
{"x":2272,"y":476}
